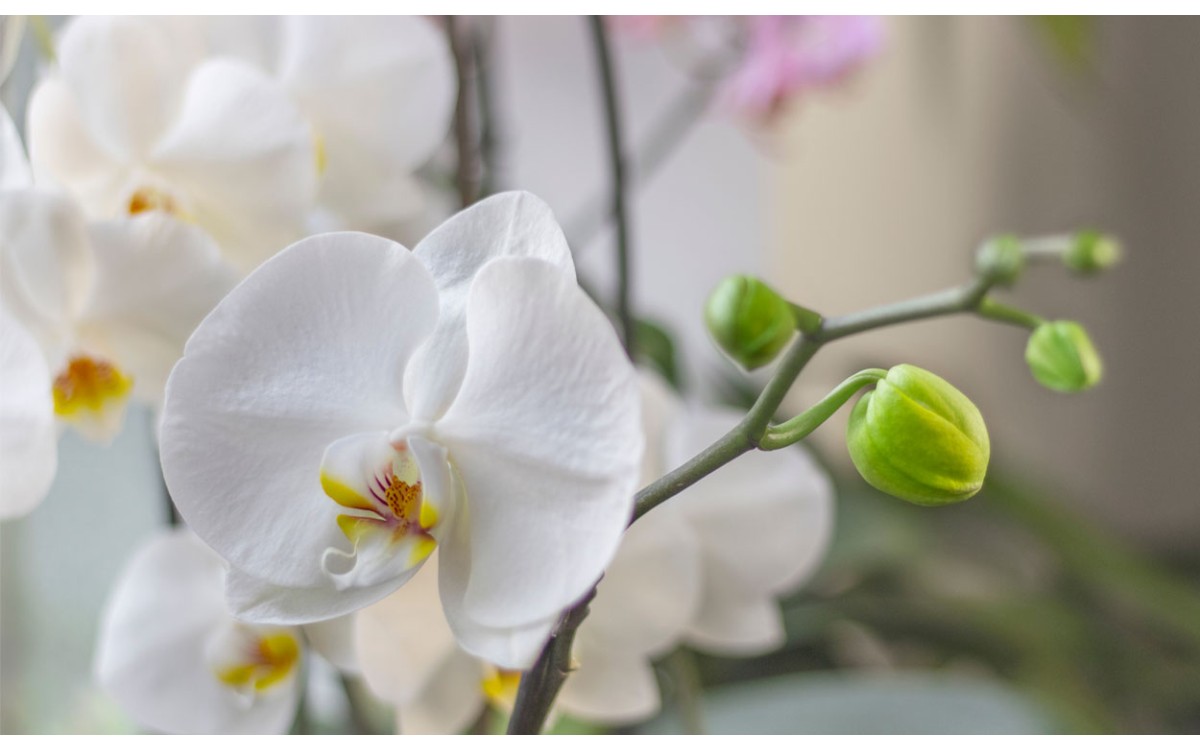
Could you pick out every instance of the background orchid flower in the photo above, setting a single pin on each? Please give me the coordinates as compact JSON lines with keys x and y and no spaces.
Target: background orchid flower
{"x":378,"y":93}
{"x":352,"y":406}
{"x":136,"y":120}
{"x":170,"y":654}
{"x":110,"y":303}
{"x":762,"y":525}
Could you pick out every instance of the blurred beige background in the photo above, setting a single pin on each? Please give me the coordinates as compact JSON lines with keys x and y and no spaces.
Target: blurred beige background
{"x":969,"y":126}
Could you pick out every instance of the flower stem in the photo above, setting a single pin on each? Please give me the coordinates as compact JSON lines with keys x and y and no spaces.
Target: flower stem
{"x":540,"y":685}
{"x":617,"y":162}
{"x":993,"y":310}
{"x":467,"y":177}
{"x":681,"y":663}
{"x":800,"y":426}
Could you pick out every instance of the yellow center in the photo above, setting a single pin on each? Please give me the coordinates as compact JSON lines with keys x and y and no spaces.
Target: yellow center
{"x":500,"y":687}
{"x":319,"y":156}
{"x":268,"y":662}
{"x":152,"y":199}
{"x":90,"y":394}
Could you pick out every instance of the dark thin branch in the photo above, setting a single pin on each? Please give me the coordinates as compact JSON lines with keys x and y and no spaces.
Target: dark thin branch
{"x":617,"y":162}
{"x":467,"y":176}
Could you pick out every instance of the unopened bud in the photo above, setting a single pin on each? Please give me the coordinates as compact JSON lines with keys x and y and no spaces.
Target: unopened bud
{"x":1062,"y":357}
{"x":1092,"y":252}
{"x":1001,"y":259}
{"x":749,"y":320}
{"x":918,"y":438}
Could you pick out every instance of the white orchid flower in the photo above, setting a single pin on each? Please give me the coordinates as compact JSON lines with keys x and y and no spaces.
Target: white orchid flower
{"x":170,"y":654}
{"x":352,"y":406}
{"x":135,"y":120}
{"x":705,"y":568}
{"x":107,"y":307}
{"x":378,"y":93}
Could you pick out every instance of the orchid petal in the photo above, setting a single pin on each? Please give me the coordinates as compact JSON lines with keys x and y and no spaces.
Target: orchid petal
{"x":548,"y":443}
{"x":512,"y":224}
{"x":126,"y":77}
{"x":156,"y":279}
{"x":403,"y":640}
{"x":379,"y":93}
{"x":610,"y":687}
{"x":28,"y":439}
{"x":63,"y":151}
{"x":764,"y":523}
{"x":334,"y":640}
{"x":46,"y":264}
{"x":449,"y":703}
{"x":14,"y":167}
{"x":308,"y":349}
{"x":243,"y":156}
{"x":255,"y":600}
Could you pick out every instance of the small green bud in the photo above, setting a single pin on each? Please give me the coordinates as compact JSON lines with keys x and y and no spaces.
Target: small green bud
{"x":1001,"y":259}
{"x":749,"y":320}
{"x":918,"y":438}
{"x":1062,"y":358}
{"x":1092,"y":252}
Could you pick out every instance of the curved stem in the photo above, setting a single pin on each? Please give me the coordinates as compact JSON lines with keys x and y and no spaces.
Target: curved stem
{"x":540,"y":685}
{"x":467,"y":174}
{"x":616,"y":161}
{"x":800,"y":426}
{"x":993,"y":310}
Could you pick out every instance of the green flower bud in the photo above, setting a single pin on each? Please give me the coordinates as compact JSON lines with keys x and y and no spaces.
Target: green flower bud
{"x":1062,"y":358}
{"x":1001,"y":259}
{"x":749,"y":320}
{"x":918,"y":438}
{"x":1092,"y":252}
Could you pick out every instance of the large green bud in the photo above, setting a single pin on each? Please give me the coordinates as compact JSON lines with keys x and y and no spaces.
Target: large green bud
{"x":918,"y":438}
{"x":749,"y":320}
{"x":1062,"y":358}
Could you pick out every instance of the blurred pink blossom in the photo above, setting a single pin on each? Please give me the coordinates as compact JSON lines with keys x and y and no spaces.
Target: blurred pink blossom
{"x":788,"y":55}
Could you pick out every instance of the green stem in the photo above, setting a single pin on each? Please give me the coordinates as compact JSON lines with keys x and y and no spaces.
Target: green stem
{"x":801,"y":426}
{"x":359,"y":722}
{"x":685,"y":675}
{"x":616,"y":161}
{"x":467,"y":174}
{"x":540,"y":685}
{"x":1001,"y":313}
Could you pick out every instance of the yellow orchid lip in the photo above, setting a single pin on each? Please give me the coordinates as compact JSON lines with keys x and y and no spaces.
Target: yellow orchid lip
{"x":90,"y":394}
{"x":269,"y":659}
{"x":500,"y":687}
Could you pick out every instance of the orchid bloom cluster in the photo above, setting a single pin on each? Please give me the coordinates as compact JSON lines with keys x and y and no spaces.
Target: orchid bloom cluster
{"x":417,"y":464}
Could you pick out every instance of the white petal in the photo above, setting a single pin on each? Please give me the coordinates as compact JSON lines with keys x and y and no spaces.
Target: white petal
{"x":63,"y":152}
{"x":14,"y":167}
{"x":156,"y":279}
{"x":651,"y":591}
{"x":379,"y":93}
{"x":449,"y":703}
{"x":243,"y":156}
{"x":515,"y":647}
{"x":661,"y":408}
{"x":334,"y":641}
{"x":126,"y":77}
{"x":151,"y":649}
{"x":11,"y":30}
{"x":546,"y":436}
{"x":308,"y":349}
{"x":46,"y":264}
{"x":512,"y":224}
{"x":403,"y":640}
{"x":254,"y":600}
{"x":609,"y":687}
{"x":764,"y":523}
{"x":28,"y":438}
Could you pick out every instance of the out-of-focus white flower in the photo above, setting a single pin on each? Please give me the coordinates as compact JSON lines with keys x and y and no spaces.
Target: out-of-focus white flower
{"x":12,"y":28}
{"x":110,"y":303}
{"x":173,"y":657}
{"x":378,"y":93}
{"x":703,"y":568}
{"x":135,"y":120}
{"x":351,"y":406}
